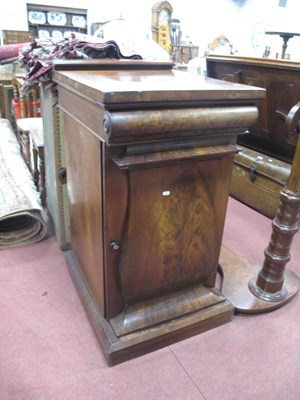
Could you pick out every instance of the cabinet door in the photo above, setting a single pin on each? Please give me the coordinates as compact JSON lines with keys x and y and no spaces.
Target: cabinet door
{"x":163,"y":227}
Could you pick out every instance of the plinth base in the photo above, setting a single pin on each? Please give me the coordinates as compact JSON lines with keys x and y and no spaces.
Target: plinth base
{"x":237,"y":274}
{"x":155,"y":323}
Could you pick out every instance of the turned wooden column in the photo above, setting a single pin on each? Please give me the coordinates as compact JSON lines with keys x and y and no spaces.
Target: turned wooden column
{"x":269,"y":284}
{"x":256,"y":288}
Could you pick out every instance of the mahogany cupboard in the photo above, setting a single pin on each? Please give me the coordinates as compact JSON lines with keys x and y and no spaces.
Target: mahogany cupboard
{"x":149,"y":154}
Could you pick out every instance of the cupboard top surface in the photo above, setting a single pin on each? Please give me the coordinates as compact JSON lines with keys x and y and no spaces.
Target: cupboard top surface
{"x":256,"y":62}
{"x":144,"y":86}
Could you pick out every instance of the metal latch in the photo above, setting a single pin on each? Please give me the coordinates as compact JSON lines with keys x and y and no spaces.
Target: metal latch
{"x":252,"y":174}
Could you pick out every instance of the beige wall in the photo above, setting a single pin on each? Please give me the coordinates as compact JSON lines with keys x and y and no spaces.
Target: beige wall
{"x":201,"y":20}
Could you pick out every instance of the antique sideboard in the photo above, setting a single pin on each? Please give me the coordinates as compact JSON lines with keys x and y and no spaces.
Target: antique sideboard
{"x":149,"y":154}
{"x":281,"y":79}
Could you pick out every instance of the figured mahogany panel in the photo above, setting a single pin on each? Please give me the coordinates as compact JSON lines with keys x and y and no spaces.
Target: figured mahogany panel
{"x":173,"y":220}
{"x":84,"y":190}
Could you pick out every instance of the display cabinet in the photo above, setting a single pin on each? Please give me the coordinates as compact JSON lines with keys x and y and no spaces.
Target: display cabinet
{"x":55,"y":22}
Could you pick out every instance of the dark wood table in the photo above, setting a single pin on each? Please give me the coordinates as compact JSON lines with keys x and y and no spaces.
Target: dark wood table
{"x":149,"y":161}
{"x":286,"y":36}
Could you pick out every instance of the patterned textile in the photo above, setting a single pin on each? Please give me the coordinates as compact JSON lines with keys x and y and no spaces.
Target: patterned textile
{"x":22,"y":218}
{"x":38,"y":56}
